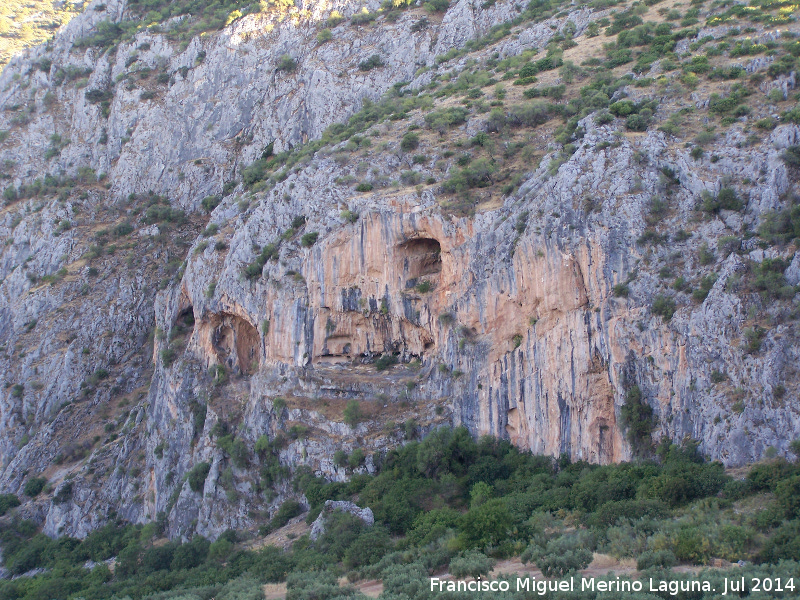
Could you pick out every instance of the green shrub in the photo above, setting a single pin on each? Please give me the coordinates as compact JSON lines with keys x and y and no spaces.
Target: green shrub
{"x":432,"y":525}
{"x":320,"y":585}
{"x":263,"y":446}
{"x":784,"y":544}
{"x":122,"y":229}
{"x":324,"y":36}
{"x":372,"y":545}
{"x":373,"y":62}
{"x":610,"y":513}
{"x":446,"y":318}
{"x":356,"y":459}
{"x":637,"y":420}
{"x":288,"y":510}
{"x":705,"y":255}
{"x":728,"y":244}
{"x":442,"y":120}
{"x":722,"y":104}
{"x":637,"y":122}
{"x":197,"y":476}
{"x":409,"y":142}
{"x":10,"y":194}
{"x":220,"y":550}
{"x":168,"y":356}
{"x":479,"y":174}
{"x":792,"y":115}
{"x":268,"y":252}
{"x":98,"y":95}
{"x":7,"y":502}
{"x":209,"y":203}
{"x":64,"y":493}
{"x":656,"y":558}
{"x":767,"y":123}
{"x":298,"y":431}
{"x":752,"y":340}
{"x":791,"y":156}
{"x":286,"y":63}
{"x":298,"y":221}
{"x":235,"y":448}
{"x":767,"y":277}
{"x":560,"y":556}
{"x":487,"y":524}
{"x":787,"y":492}
{"x":34,"y":486}
{"x":363,"y":17}
{"x":650,"y":236}
{"x":681,"y":482}
{"x":529,"y":114}
{"x":340,"y":458}
{"x":617,"y":57}
{"x":681,"y":236}
{"x":334,"y":19}
{"x":781,"y":226}
{"x":309,"y":239}
{"x":199,"y":411}
{"x":352,"y":413}
{"x":727,"y":199}
{"x":349,"y":216}
{"x":433,"y":6}
{"x":163,"y":214}
{"x":621,"y":290}
{"x":664,"y":306}
{"x":471,"y":563}
{"x":622,"y":108}
{"x":385,"y":361}
{"x":706,"y":283}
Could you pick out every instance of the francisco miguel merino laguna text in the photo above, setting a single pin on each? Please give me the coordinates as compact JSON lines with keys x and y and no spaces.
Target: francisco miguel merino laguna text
{"x":542,"y":586}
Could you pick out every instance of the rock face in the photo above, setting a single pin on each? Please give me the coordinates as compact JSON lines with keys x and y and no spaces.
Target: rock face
{"x":133,"y":358}
{"x":318,"y":527}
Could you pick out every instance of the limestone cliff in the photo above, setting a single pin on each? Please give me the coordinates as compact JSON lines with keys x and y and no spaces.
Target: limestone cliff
{"x":143,"y":339}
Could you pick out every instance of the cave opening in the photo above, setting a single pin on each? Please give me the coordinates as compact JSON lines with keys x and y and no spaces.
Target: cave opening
{"x":237,"y":344}
{"x":183,"y":326}
{"x":421,"y":261}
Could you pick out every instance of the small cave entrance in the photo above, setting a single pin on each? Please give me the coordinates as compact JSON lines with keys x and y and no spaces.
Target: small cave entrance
{"x":421,"y":261}
{"x":183,"y":327}
{"x":236,"y":343}
{"x":184,"y":322}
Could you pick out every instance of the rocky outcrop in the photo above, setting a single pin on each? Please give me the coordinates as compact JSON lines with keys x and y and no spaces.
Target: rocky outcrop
{"x":318,"y":526}
{"x":531,"y":320}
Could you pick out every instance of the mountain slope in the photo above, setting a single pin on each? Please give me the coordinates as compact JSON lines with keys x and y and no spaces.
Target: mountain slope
{"x":324,"y":228}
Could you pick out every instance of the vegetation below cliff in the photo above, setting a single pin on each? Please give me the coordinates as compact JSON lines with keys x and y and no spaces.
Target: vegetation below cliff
{"x":445,"y":503}
{"x":575,"y":226}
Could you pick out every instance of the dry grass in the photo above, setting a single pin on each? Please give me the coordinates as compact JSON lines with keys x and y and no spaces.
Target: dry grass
{"x":274,"y":591}
{"x":284,"y":537}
